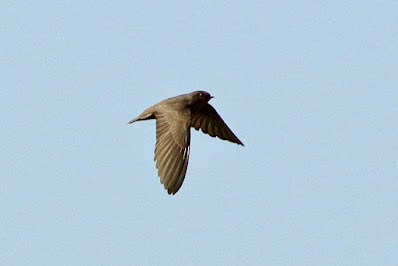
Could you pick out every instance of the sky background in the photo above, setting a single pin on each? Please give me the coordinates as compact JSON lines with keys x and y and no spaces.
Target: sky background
{"x":311,"y":88}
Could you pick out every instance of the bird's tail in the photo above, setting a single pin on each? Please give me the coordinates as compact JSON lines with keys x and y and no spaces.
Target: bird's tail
{"x":147,"y":114}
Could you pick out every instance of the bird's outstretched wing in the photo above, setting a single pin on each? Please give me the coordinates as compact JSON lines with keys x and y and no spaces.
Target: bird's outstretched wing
{"x":172,"y":147}
{"x":211,"y":123}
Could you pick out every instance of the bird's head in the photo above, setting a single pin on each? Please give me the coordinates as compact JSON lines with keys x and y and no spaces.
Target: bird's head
{"x":201,"y":96}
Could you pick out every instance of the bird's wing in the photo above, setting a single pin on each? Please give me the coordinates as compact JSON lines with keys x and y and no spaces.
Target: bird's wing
{"x":172,"y":147}
{"x":211,"y":123}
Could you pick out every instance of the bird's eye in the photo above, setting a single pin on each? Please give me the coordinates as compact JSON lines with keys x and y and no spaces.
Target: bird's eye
{"x":201,"y":95}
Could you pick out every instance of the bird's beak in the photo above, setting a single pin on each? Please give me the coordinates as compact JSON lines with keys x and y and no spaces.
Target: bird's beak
{"x":211,"y":97}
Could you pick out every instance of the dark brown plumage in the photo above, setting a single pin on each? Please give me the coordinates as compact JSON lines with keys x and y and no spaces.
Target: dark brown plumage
{"x":174,"y":118}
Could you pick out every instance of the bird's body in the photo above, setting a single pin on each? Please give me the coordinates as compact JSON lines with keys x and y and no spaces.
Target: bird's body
{"x":174,"y":118}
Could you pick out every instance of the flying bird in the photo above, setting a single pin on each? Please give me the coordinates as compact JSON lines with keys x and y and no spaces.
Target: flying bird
{"x":174,"y":118}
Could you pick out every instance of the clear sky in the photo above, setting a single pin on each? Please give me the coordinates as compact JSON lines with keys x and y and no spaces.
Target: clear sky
{"x":311,"y":88}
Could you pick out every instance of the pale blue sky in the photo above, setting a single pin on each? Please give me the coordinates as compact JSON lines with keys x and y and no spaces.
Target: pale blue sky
{"x":310,"y":87}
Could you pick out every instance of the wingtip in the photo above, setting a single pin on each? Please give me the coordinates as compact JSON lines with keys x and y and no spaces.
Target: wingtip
{"x":237,"y":141}
{"x":171,"y":192}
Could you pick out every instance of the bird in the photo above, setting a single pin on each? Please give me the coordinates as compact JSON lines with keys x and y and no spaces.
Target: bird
{"x":174,"y":118}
